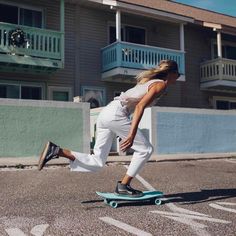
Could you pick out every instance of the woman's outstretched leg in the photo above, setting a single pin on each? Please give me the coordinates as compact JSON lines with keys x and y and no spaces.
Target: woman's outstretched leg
{"x":81,"y":161}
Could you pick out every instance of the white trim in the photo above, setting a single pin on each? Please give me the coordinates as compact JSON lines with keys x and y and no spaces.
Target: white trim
{"x":148,"y":12}
{"x":210,"y":84}
{"x":212,"y":25}
{"x":118,"y":25}
{"x":95,"y":88}
{"x":52,"y":89}
{"x":147,"y":46}
{"x":219,"y":44}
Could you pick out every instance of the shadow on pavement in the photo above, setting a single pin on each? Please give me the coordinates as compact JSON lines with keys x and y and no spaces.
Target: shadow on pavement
{"x":205,"y":195}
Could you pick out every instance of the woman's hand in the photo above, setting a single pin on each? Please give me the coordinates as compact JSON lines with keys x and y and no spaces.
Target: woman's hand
{"x":126,"y":143}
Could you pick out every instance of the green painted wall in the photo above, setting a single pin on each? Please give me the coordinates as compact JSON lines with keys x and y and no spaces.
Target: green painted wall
{"x":26,"y":126}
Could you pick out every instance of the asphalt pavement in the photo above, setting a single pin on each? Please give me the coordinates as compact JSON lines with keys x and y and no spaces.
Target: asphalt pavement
{"x":200,"y":199}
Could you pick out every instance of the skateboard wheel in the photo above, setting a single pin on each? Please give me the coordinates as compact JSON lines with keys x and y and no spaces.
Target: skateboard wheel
{"x":157,"y":201}
{"x":113,"y":204}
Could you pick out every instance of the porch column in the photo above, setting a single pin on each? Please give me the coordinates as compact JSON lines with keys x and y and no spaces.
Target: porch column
{"x":219,"y":44}
{"x":62,"y":29}
{"x":181,"y":32}
{"x":118,"y":25}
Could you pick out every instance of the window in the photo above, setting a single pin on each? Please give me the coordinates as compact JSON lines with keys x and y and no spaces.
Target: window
{"x":31,"y":18}
{"x":60,"y":96}
{"x":228,"y":51}
{"x":19,"y":15}
{"x":130,"y":34}
{"x":57,"y":93}
{"x":8,"y":14}
{"x":112,"y":34}
{"x":9,"y":91}
{"x":20,"y":91}
{"x":94,"y":95}
{"x":225,"y":103}
{"x":28,"y":92}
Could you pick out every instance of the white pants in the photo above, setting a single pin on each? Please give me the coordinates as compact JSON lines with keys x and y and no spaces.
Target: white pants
{"x":113,"y":121}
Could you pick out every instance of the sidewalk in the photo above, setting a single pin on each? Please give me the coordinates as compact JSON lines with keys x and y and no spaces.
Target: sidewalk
{"x":20,"y":162}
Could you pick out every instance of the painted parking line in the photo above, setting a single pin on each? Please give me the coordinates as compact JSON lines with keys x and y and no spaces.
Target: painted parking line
{"x":217,"y":205}
{"x":14,"y":232}
{"x":37,"y":230}
{"x":123,"y":226}
{"x":231,"y":161}
{"x":187,"y":216}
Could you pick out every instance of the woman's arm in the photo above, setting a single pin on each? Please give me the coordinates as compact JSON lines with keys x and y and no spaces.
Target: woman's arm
{"x":147,"y":99}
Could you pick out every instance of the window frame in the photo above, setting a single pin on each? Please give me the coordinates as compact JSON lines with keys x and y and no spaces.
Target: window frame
{"x":226,"y":99}
{"x":223,"y":43}
{"x":52,"y":89}
{"x":25,"y":84}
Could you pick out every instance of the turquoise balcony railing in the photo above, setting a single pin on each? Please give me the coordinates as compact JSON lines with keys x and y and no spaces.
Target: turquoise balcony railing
{"x":43,"y":47}
{"x":136,"y":56}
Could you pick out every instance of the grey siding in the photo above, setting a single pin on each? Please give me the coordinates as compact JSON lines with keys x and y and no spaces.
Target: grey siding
{"x":63,"y":77}
{"x":92,"y":33}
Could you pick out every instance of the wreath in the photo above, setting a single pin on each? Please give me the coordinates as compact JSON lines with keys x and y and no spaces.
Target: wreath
{"x":17,"y":38}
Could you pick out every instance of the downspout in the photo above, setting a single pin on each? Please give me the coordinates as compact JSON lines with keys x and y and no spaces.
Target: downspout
{"x":62,"y":30}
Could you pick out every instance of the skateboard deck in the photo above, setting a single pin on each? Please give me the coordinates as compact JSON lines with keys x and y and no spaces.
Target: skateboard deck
{"x":112,"y":199}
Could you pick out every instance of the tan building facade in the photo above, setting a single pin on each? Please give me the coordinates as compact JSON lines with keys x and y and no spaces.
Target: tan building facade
{"x":94,"y":48}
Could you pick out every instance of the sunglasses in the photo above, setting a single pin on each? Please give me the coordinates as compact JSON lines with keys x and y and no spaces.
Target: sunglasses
{"x":178,"y":74}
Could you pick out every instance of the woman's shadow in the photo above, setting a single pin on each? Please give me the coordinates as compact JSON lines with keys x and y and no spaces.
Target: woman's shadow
{"x":205,"y":195}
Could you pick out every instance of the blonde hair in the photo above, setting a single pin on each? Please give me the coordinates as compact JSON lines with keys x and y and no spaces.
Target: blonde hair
{"x":160,"y":72}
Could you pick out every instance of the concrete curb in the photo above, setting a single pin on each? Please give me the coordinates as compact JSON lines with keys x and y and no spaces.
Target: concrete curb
{"x":20,"y":162}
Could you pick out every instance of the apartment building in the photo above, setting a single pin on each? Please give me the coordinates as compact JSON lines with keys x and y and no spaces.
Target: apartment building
{"x":92,"y":49}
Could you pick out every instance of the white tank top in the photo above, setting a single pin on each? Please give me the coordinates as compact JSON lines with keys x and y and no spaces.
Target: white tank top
{"x":131,"y":97}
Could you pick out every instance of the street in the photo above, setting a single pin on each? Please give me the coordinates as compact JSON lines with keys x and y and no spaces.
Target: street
{"x":200,"y":199}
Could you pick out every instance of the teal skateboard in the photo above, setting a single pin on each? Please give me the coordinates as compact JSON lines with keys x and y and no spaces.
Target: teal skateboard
{"x":112,"y":199}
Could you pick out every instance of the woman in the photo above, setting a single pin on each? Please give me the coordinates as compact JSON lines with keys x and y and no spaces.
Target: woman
{"x":114,"y":120}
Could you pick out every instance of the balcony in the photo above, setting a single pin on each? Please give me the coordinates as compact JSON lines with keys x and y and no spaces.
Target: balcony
{"x":122,"y":60}
{"x":43,"y":53}
{"x":218,"y":75}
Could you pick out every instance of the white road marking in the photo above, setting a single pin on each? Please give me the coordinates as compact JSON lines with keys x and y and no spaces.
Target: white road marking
{"x":231,"y":161}
{"x":14,"y":232}
{"x":182,"y":210}
{"x":227,"y":203}
{"x":124,"y":226}
{"x":186,"y":216}
{"x":39,"y":230}
{"x":217,"y":206}
{"x":187,"y":222}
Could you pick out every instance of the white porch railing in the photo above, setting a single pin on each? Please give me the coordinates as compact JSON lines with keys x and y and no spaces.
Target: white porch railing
{"x":42,"y":43}
{"x":135,"y":56}
{"x":218,"y":69}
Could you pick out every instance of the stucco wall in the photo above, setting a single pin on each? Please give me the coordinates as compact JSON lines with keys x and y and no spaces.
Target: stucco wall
{"x":183,"y":130}
{"x":26,"y":125}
